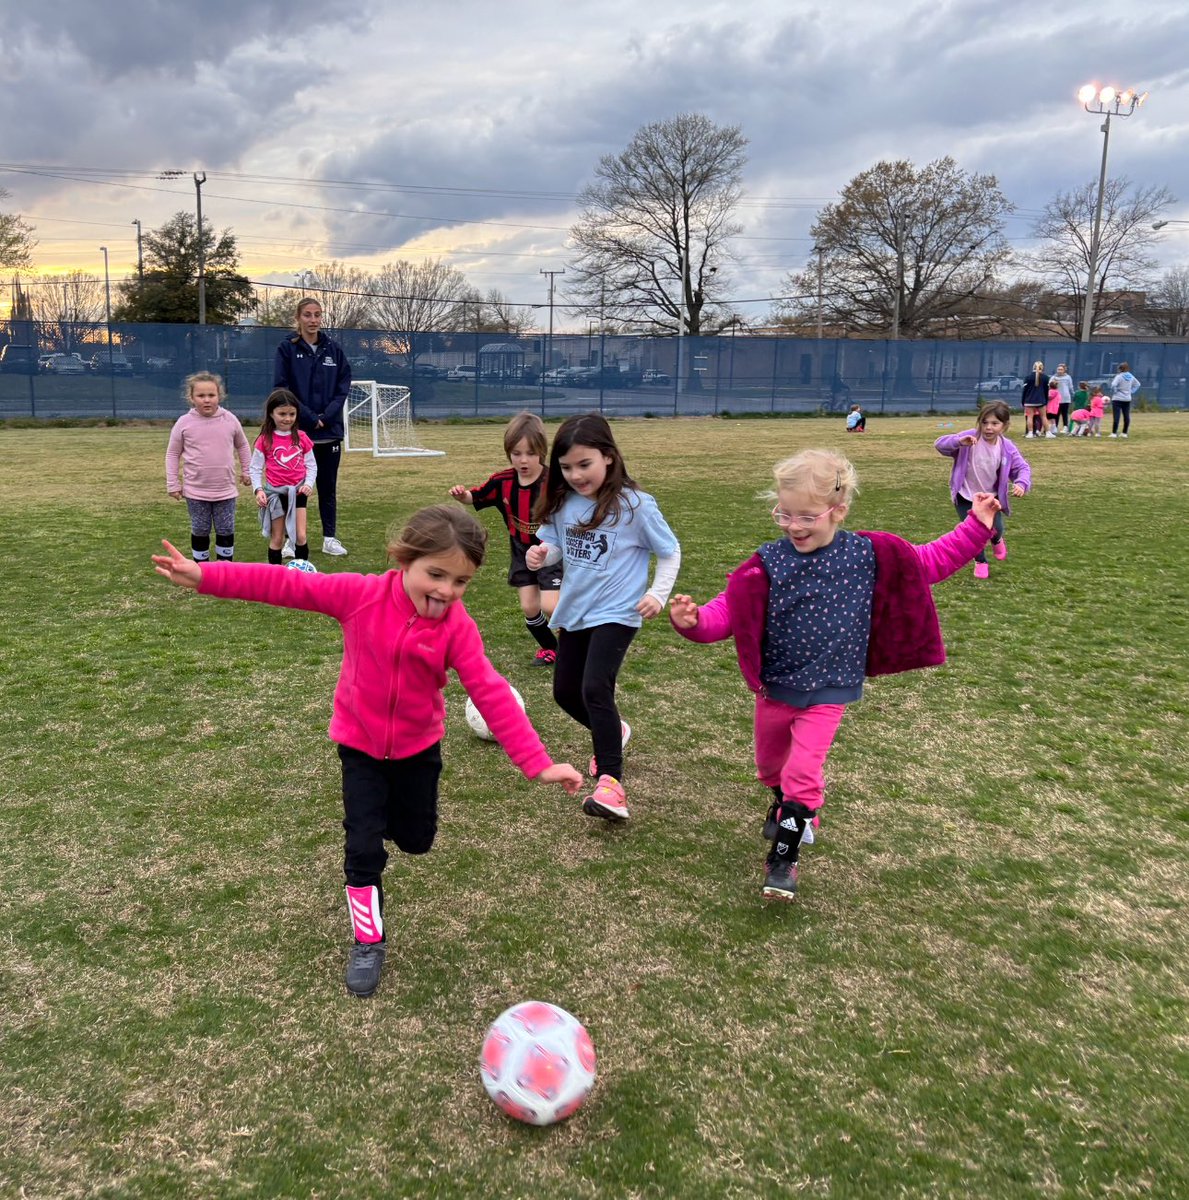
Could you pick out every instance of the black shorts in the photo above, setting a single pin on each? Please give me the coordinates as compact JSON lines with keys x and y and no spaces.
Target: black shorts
{"x":520,"y":574}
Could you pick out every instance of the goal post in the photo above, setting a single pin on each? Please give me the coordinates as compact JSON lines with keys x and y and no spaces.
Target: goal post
{"x":379,"y":417}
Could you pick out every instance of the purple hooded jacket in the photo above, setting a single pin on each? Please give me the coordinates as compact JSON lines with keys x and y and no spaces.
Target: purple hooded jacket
{"x":905,"y":632}
{"x":1013,"y":466}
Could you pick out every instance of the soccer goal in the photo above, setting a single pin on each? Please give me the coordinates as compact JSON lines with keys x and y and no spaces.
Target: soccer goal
{"x":379,"y":418}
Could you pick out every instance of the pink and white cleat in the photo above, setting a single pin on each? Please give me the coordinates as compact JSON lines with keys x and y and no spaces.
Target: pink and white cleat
{"x":607,"y":800}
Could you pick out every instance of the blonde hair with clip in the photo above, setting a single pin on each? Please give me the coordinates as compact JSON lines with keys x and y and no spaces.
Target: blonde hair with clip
{"x":823,"y":474}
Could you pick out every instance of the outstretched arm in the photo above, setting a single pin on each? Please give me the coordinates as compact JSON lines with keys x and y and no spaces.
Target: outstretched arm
{"x":952,"y":551}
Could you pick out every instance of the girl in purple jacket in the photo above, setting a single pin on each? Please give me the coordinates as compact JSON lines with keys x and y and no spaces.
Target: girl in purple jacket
{"x":986,"y":461}
{"x":812,"y":614}
{"x":401,"y":632}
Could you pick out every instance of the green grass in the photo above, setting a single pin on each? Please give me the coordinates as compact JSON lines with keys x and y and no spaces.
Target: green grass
{"x":980,"y":992}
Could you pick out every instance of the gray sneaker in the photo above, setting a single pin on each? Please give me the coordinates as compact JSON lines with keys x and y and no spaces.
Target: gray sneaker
{"x":364,"y":964}
{"x":287,"y":549}
{"x":332,"y":545}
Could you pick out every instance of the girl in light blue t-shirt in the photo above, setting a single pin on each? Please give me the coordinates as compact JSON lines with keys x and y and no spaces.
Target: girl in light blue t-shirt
{"x":594,"y":518}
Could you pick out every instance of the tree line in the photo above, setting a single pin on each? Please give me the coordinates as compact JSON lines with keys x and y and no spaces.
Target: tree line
{"x":905,"y":252}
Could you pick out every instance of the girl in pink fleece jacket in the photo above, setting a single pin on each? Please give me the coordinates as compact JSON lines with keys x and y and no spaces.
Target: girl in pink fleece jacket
{"x":401,"y":632}
{"x":813,"y":614}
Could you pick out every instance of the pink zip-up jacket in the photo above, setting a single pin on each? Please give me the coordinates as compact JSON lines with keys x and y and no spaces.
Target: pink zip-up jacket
{"x":905,"y":632}
{"x":388,"y":701}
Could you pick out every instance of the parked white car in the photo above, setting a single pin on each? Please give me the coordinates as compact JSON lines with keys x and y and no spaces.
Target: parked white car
{"x":462,"y":374}
{"x":65,"y":364}
{"x":1001,"y":383}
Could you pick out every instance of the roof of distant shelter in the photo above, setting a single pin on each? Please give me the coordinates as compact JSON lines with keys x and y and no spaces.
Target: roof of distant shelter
{"x":502,"y":348}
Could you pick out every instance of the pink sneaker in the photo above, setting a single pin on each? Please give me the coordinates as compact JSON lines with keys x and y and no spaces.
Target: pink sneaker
{"x":607,"y":800}
{"x":1000,"y":549}
{"x":625,"y":733}
{"x":982,"y":571}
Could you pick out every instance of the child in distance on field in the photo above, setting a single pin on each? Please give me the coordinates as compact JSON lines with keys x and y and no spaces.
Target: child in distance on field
{"x":594,"y":517}
{"x":283,"y":472}
{"x":1080,"y":417}
{"x":1053,"y":409}
{"x":1097,"y":407}
{"x":401,"y":632}
{"x":986,"y":461}
{"x":204,"y":443}
{"x":812,"y":614}
{"x":856,"y":421}
{"x":514,"y":492}
{"x":1080,"y":402}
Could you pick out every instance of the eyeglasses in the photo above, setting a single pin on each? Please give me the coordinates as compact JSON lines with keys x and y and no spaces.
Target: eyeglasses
{"x":784,"y":519}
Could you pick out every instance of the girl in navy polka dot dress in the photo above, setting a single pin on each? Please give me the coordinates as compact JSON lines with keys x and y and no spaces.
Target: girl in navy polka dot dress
{"x":812,"y":614}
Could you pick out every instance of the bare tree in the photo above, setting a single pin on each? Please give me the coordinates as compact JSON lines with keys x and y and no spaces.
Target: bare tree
{"x":903,"y":250}
{"x":66,"y":305}
{"x":497,"y":314}
{"x":1125,"y":264}
{"x":1167,"y":309}
{"x":655,"y":221}
{"x":345,"y":293}
{"x":16,"y":239}
{"x":412,"y":299}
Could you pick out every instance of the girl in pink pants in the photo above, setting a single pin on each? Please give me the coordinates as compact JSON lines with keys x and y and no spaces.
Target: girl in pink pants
{"x":812,"y":614}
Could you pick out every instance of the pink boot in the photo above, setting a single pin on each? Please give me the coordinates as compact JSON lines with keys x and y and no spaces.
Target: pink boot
{"x":982,"y":571}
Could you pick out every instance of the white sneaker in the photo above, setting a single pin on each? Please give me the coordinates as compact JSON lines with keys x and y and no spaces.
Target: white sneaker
{"x":332,"y":545}
{"x":1028,"y":435}
{"x":287,"y":549}
{"x":1050,"y":434}
{"x":1114,"y":435}
{"x":1122,"y":435}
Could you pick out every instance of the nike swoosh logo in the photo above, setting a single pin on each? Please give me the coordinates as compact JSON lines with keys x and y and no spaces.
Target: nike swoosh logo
{"x":285,"y":459}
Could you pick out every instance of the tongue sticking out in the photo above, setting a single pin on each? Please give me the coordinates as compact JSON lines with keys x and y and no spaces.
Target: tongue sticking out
{"x":433,"y":607}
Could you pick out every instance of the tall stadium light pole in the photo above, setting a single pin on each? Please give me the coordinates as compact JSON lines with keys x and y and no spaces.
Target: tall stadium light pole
{"x":549,"y":343}
{"x":199,"y":178}
{"x":1107,"y":103}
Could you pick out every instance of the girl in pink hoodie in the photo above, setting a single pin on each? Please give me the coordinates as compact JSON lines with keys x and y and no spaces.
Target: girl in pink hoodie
{"x":401,"y":632}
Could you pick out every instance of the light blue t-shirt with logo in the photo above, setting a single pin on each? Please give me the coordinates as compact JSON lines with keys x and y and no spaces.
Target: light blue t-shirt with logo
{"x":606,"y":568}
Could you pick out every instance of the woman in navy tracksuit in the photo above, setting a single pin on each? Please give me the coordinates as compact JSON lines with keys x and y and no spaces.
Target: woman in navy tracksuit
{"x":315,"y":369}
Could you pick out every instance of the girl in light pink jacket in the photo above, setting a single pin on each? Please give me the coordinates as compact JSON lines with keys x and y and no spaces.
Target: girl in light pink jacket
{"x":401,"y":632}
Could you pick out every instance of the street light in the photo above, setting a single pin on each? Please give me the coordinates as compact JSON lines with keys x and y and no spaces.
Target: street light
{"x":107,"y":288}
{"x":1168,"y":221}
{"x":1109,"y":103}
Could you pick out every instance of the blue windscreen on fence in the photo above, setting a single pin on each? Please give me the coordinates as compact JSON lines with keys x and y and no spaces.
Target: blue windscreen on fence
{"x":140,"y":370}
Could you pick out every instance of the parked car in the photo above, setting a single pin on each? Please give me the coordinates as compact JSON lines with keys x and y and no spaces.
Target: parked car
{"x":110,"y":362}
{"x":607,"y":377}
{"x":1001,"y":383}
{"x":65,"y":364}
{"x":20,"y":360}
{"x":556,"y":376}
{"x":654,"y":378}
{"x":157,"y":362}
{"x":462,"y":374}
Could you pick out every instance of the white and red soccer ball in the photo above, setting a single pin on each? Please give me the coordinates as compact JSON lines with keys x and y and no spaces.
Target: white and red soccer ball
{"x":537,"y":1063}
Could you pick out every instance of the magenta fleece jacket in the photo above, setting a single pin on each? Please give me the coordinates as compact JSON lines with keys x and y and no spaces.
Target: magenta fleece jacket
{"x":388,"y":701}
{"x":905,"y":633}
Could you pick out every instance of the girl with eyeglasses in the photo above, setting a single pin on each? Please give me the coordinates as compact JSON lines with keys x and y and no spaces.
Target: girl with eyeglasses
{"x":812,"y":614}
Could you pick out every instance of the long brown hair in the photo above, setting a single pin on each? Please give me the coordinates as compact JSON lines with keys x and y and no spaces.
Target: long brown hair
{"x":588,"y":429}
{"x":278,"y":398}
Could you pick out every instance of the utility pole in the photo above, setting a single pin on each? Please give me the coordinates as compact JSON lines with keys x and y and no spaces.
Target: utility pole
{"x":139,"y":253}
{"x":549,"y":344}
{"x":199,"y":180}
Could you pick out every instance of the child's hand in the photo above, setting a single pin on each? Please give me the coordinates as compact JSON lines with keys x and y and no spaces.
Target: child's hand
{"x":648,"y":607}
{"x":462,"y":494}
{"x":984,"y":507}
{"x":968,"y":440}
{"x":1017,"y":489}
{"x":564,"y":774}
{"x":534,"y":557}
{"x":683,"y":612}
{"x":176,"y":567}
{"x":246,"y":479}
{"x":305,"y":490}
{"x":176,"y":495}
{"x":261,"y":497}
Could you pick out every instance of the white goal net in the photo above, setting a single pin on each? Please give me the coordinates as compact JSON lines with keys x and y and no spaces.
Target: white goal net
{"x":379,"y":417}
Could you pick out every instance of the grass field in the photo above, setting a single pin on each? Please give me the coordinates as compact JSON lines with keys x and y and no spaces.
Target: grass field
{"x":981,"y":991}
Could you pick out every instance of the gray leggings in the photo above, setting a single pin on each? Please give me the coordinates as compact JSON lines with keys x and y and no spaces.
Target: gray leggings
{"x":205,"y":513}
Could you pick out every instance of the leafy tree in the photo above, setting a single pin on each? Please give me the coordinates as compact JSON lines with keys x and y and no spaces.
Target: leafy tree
{"x":904,"y":249}
{"x":16,"y":239}
{"x":1167,"y":309}
{"x":169,"y":292}
{"x":1124,"y":265}
{"x":411,"y":299}
{"x":654,"y":223}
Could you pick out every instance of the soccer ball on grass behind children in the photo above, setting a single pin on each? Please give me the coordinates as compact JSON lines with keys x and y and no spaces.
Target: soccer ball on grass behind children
{"x":537,"y":1063}
{"x":476,"y":722}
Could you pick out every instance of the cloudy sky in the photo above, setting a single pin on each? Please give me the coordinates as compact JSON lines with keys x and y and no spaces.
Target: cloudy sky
{"x":369,"y":130}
